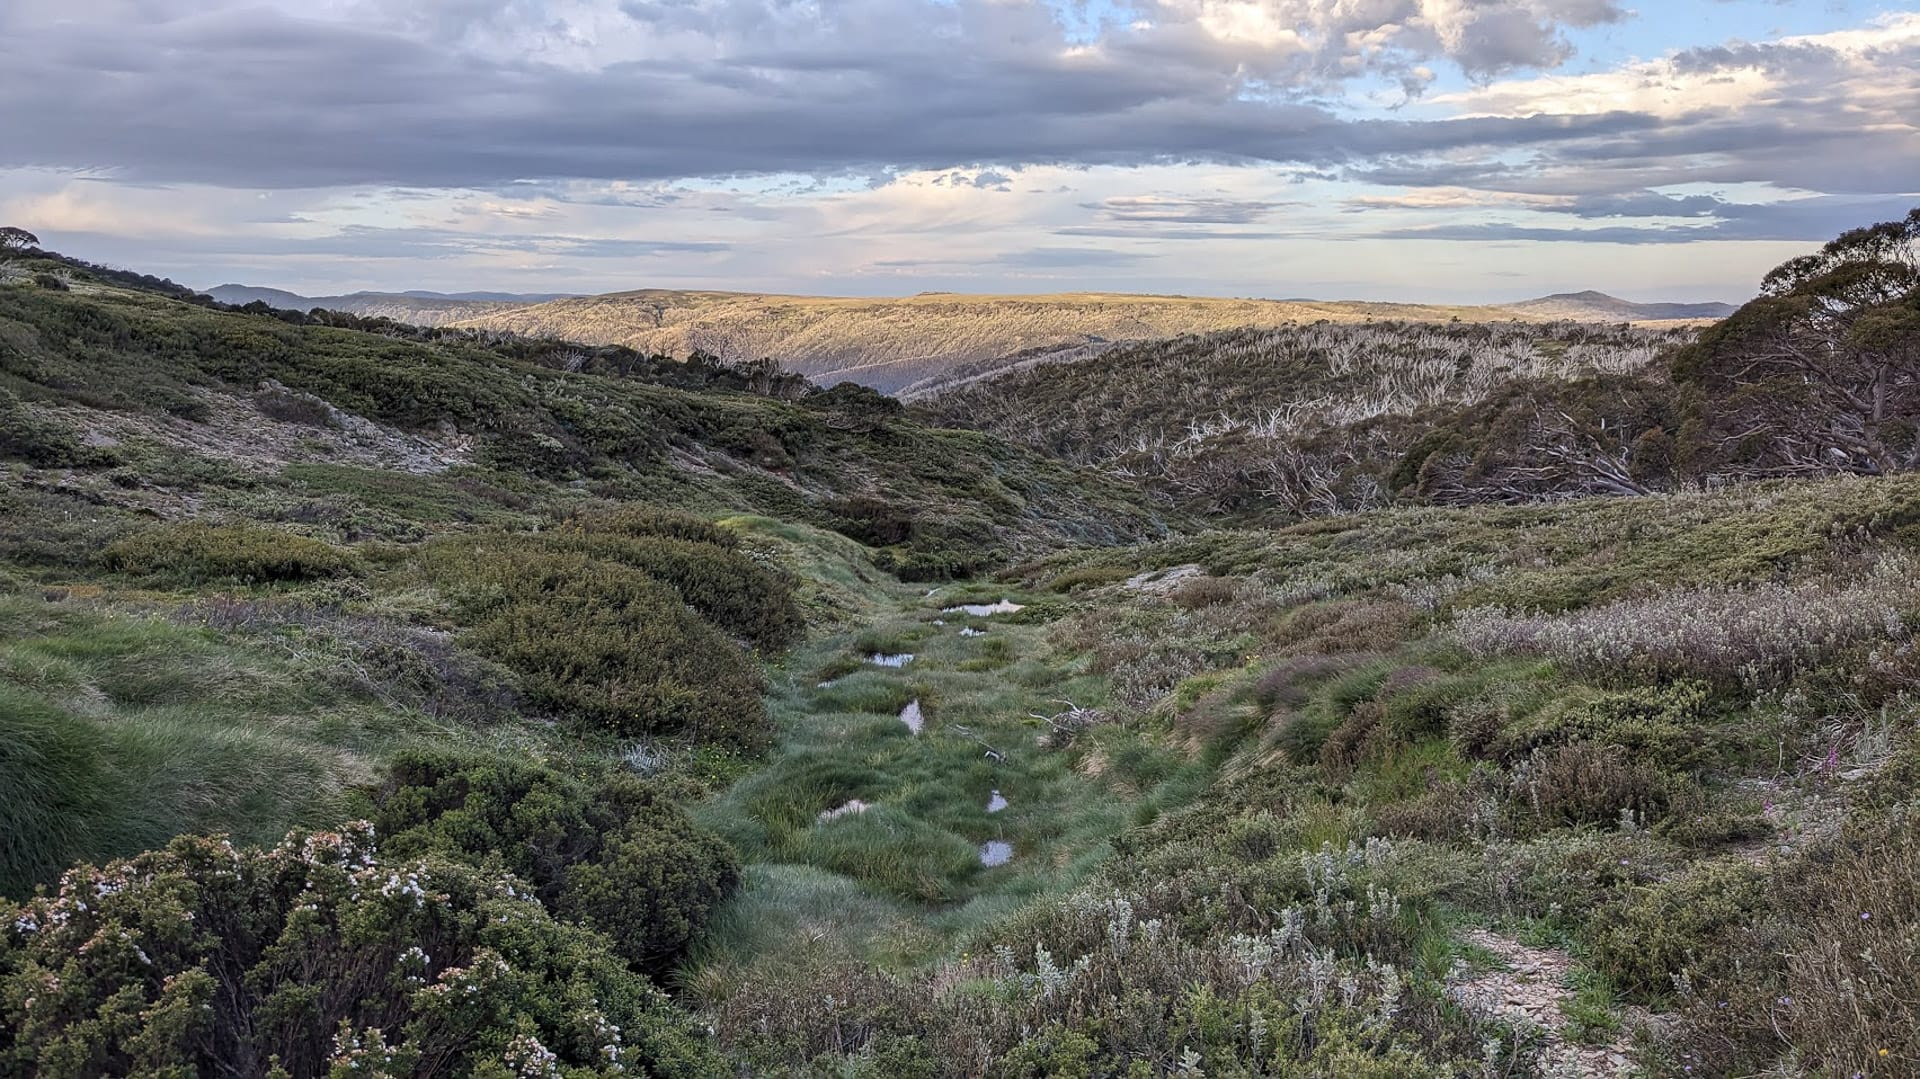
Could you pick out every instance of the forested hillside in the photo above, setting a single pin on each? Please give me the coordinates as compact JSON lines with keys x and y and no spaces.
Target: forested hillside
{"x":1328,"y":418}
{"x":1819,"y":375}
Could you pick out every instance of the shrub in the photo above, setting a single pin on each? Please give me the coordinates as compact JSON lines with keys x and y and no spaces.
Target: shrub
{"x":613,"y":855}
{"x":1567,"y":875}
{"x":195,"y":553}
{"x":1359,"y":738}
{"x":42,"y":442}
{"x":1087,"y":577}
{"x":1851,"y":972}
{"x":1665,"y":725}
{"x":1588,"y":784}
{"x":317,"y":956}
{"x":1757,"y":637}
{"x":871,"y":520}
{"x":1415,"y":700}
{"x":1205,"y":592}
{"x":48,"y":528}
{"x":1675,"y":928}
{"x":1287,"y":684}
{"x":599,"y":640}
{"x":634,"y":521}
{"x":1450,"y":811}
{"x":729,"y":589}
{"x":279,"y":403}
{"x":1340,"y":626}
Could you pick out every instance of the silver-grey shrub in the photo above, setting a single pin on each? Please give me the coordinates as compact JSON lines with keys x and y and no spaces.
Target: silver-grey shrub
{"x":1757,"y":637}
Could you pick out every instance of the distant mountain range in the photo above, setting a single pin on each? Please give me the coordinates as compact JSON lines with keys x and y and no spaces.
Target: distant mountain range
{"x":907,"y":345}
{"x":1593,"y":306}
{"x":417,"y":306}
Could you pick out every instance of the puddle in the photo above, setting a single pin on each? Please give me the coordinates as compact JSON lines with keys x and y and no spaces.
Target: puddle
{"x":969,"y":631}
{"x":852,"y":808}
{"x":910,"y":715}
{"x":939,"y":621}
{"x":828,"y":684}
{"x":996,"y":852}
{"x":982,"y":610}
{"x":881,"y":659}
{"x":996,"y":803}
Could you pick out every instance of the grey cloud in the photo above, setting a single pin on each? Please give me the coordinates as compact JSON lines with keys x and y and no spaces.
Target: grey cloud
{"x":256,"y":98}
{"x":1806,"y":219}
{"x":1153,"y":233}
{"x":431,"y":98}
{"x":1179,"y":210}
{"x":1037,"y":258}
{"x":1068,"y":258}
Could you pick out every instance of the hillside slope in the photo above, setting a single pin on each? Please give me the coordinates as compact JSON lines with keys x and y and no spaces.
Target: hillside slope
{"x":893,"y":344}
{"x":1333,"y":418}
{"x":97,"y":376}
{"x":414,"y":307}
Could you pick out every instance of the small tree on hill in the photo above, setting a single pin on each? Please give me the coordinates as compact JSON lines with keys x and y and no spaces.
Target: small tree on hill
{"x":13,"y":239}
{"x":1819,"y":373}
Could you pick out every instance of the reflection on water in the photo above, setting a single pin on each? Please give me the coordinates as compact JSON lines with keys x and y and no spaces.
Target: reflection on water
{"x":981,"y":610}
{"x":996,"y":852}
{"x":852,"y":808}
{"x":880,"y":659}
{"x":996,"y":803}
{"x":910,"y":715}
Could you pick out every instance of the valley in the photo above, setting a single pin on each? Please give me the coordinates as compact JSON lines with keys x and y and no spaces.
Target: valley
{"x":1404,"y":697}
{"x":914,"y":346}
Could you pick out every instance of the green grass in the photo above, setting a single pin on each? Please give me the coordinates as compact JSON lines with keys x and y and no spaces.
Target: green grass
{"x":125,"y":731}
{"x":915,"y":853}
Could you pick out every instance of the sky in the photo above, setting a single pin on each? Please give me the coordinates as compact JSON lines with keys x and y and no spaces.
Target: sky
{"x":1417,"y":150}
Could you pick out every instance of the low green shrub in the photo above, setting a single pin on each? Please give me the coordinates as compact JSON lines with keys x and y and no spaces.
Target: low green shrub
{"x":1667,"y":725}
{"x":596,"y":639}
{"x":728,"y":588}
{"x":1087,"y":577}
{"x":613,"y":855}
{"x":1675,"y":928}
{"x":1565,"y":876}
{"x":196,"y":553}
{"x":42,"y":442}
{"x":871,"y":520}
{"x":48,"y":528}
{"x":637,"y":521}
{"x":318,"y":956}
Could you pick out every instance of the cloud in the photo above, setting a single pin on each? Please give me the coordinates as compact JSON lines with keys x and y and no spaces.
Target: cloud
{"x":486,"y":92}
{"x":496,"y":143}
{"x":1183,"y":210}
{"x":1806,"y":219}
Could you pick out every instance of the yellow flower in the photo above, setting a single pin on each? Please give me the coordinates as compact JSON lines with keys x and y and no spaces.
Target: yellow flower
{"x":1883,"y":1052}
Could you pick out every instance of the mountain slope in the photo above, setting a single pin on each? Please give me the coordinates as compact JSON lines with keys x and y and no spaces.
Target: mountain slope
{"x":900,"y":344}
{"x":415,"y":306}
{"x":97,"y":368}
{"x":1332,"y":418}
